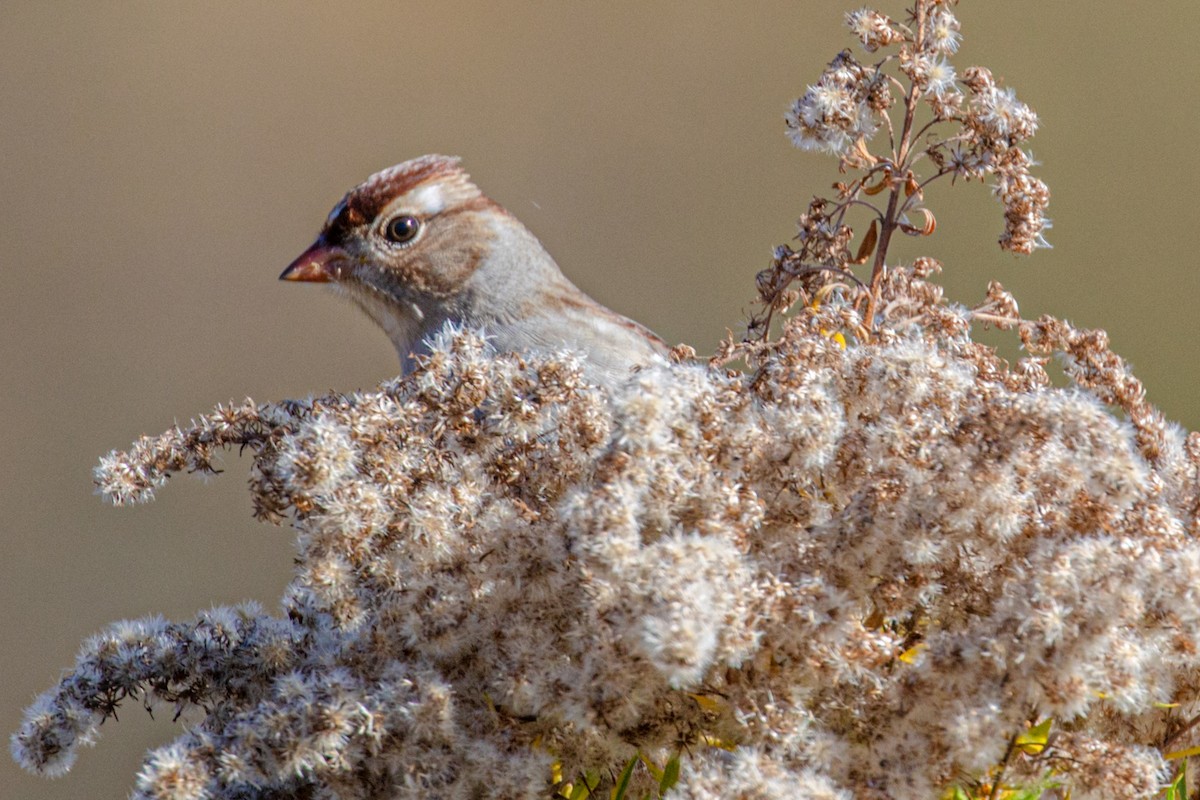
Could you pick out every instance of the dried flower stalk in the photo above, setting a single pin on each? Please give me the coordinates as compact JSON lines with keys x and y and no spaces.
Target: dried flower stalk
{"x":972,"y":128}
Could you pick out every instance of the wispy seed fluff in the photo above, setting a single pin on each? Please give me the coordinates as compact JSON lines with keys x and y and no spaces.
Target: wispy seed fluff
{"x":849,"y":572}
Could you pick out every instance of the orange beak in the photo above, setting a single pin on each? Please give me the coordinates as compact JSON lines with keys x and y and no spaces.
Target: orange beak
{"x":321,"y":263}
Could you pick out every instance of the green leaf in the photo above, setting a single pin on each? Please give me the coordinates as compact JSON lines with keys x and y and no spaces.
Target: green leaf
{"x":670,"y":775}
{"x":1177,"y":790}
{"x":651,"y":767}
{"x":623,"y":781}
{"x":582,"y":789}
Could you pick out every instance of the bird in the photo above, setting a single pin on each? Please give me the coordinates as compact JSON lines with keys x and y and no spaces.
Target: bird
{"x":418,"y":246}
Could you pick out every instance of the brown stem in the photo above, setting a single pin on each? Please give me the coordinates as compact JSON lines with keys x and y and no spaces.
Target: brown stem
{"x":1177,"y":735}
{"x":878,"y":214}
{"x":925,"y":128}
{"x":996,"y":782}
{"x":890,"y":223}
{"x":885,"y":236}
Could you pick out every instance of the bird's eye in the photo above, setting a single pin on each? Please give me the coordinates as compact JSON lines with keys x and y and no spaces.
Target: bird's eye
{"x":402,"y":230}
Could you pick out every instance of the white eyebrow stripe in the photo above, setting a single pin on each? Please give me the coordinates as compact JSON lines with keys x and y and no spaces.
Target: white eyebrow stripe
{"x":428,"y":198}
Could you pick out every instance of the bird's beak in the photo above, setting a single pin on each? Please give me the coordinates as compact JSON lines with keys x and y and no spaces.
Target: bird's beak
{"x":321,"y":263}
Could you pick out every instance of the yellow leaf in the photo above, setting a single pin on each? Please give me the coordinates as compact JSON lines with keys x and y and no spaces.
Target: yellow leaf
{"x":1188,"y":753}
{"x":912,"y":654}
{"x":712,"y":705}
{"x":1033,"y":740}
{"x":713,"y":741}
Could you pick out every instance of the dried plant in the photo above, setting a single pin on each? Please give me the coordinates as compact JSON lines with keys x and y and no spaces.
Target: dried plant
{"x":880,"y":562}
{"x":965,"y":129}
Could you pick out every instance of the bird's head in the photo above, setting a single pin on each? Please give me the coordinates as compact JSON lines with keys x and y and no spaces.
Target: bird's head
{"x":411,"y":234}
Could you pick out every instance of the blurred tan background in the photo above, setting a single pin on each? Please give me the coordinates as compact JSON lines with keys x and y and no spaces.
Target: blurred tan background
{"x":162,"y":163}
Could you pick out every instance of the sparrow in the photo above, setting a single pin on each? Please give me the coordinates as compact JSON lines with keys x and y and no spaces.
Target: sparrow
{"x":418,"y":246}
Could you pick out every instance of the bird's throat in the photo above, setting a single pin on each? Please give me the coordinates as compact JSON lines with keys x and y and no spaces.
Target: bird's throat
{"x":402,"y":320}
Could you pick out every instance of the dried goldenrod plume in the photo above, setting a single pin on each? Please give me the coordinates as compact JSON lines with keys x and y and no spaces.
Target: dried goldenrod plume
{"x":965,"y":129}
{"x":881,"y":562}
{"x":864,"y":571}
